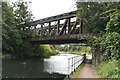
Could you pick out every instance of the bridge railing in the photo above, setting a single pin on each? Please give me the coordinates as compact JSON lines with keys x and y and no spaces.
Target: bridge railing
{"x":74,"y":62}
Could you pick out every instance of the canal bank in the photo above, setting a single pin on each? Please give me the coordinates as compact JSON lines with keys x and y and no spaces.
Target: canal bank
{"x":53,"y":67}
{"x":84,"y":71}
{"x":88,"y":71}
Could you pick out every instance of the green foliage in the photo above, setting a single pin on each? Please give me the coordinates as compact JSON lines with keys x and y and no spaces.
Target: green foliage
{"x":109,"y":41}
{"x":93,"y":15}
{"x":22,"y":14}
{"x":109,"y":45}
{"x":76,"y":49}
{"x":10,"y":35}
{"x":44,"y":51}
{"x":103,"y":18}
{"x":15,"y":40}
{"x":109,"y":69}
{"x":113,"y":25}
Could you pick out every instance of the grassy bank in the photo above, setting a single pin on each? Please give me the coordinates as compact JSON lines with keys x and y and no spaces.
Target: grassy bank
{"x":76,"y":49}
{"x":76,"y":73}
{"x":109,"y":69}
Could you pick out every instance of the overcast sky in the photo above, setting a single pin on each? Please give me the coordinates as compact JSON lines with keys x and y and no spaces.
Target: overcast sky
{"x":47,"y":8}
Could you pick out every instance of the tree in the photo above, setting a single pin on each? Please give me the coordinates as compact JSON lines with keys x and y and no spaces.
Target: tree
{"x":10,"y":35}
{"x":22,"y":14}
{"x":14,"y":40}
{"x":91,"y":14}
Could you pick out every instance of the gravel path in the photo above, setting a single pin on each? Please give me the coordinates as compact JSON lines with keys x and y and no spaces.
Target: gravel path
{"x":87,"y":71}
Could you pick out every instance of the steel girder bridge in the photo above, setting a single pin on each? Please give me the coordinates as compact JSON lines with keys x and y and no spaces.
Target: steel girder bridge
{"x":59,"y":29}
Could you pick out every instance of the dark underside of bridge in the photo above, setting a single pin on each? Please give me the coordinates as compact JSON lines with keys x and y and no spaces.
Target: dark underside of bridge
{"x":60,"y":39}
{"x":67,"y":41}
{"x":60,"y":29}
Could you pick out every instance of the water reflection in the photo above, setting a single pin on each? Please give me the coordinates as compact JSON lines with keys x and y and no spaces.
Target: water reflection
{"x":54,"y":67}
{"x":61,"y":63}
{"x":57,"y":64}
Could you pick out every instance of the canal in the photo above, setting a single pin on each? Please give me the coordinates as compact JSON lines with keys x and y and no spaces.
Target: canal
{"x":54,"y":67}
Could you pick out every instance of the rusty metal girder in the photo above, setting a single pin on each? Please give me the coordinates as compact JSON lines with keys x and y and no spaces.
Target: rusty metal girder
{"x":50,"y":19}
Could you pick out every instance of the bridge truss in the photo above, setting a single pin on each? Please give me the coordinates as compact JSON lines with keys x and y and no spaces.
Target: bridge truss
{"x":59,"y":29}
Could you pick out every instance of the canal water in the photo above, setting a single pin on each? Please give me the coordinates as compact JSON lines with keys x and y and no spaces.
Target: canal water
{"x":53,"y":67}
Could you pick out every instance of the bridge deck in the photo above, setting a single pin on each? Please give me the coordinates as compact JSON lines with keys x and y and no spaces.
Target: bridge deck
{"x":61,"y":39}
{"x":57,"y":29}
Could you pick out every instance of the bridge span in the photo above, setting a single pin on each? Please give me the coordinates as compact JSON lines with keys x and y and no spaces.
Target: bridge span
{"x":59,"y":29}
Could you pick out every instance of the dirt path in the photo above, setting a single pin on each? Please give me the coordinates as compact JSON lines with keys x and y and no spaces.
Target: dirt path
{"x":87,"y":71}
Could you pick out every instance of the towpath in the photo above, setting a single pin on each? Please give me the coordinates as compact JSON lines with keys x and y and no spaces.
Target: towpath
{"x":88,"y":71}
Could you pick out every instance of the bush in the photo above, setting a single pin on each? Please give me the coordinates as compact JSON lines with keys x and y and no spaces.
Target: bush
{"x":109,"y":69}
{"x":44,"y":51}
{"x":76,"y":49}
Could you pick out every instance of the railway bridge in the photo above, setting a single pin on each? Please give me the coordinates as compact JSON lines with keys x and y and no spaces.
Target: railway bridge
{"x":59,"y":29}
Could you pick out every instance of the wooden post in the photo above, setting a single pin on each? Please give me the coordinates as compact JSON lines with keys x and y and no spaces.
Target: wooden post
{"x":58,"y":27}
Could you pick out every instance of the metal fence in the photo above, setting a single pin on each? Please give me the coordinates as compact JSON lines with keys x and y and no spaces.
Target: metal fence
{"x":74,"y":62}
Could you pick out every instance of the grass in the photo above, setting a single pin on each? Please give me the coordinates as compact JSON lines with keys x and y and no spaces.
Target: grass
{"x":78,"y":49}
{"x":75,"y":74}
{"x":108,"y":69}
{"x":79,"y":52}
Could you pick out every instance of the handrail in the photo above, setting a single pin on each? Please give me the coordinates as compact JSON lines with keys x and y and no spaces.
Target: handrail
{"x":74,"y":63}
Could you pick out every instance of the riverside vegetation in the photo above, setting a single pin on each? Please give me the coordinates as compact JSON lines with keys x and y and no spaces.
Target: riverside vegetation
{"x":103,"y":20}
{"x":76,"y":49}
{"x":15,"y":41}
